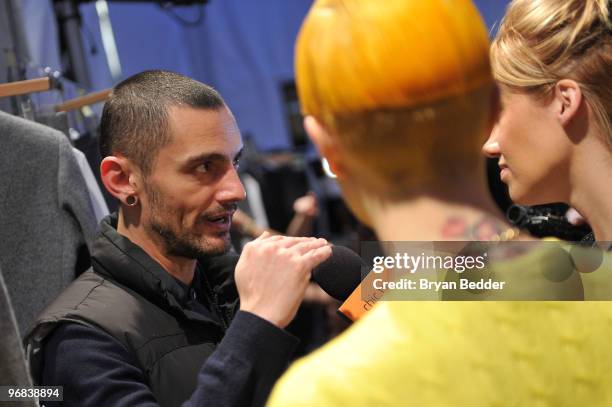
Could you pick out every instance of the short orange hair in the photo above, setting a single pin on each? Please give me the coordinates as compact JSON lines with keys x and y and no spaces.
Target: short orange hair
{"x":378,"y":74}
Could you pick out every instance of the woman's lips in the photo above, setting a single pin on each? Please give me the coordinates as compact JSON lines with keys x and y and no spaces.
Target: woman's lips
{"x":504,"y":171}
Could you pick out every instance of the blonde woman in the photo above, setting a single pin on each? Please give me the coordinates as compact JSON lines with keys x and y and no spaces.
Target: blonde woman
{"x":553,"y":62}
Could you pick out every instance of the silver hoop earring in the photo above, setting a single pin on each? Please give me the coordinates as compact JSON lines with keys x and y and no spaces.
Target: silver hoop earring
{"x":131,"y":200}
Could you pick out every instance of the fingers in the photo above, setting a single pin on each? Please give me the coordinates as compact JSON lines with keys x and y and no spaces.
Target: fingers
{"x":286,"y":242}
{"x":317,"y":256}
{"x":306,"y":246}
{"x":268,"y":237}
{"x":290,"y":242}
{"x":299,"y":245}
{"x":264,"y":235}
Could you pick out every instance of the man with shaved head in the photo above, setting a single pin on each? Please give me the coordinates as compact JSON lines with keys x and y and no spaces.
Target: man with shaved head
{"x":167,"y":315}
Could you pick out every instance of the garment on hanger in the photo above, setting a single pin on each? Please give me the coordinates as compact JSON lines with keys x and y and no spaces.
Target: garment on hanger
{"x":98,"y":203}
{"x":59,"y":121}
{"x":88,"y":144}
{"x":13,"y":370}
{"x":46,"y":217}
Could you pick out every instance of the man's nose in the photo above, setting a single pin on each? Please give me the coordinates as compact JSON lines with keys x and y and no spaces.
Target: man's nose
{"x":231,"y":188}
{"x":491,"y":147}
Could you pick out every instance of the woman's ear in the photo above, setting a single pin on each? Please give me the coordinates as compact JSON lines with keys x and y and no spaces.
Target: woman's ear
{"x":326,"y":145}
{"x":568,"y":98}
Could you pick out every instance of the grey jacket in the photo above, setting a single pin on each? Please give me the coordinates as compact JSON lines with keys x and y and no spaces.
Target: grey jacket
{"x":13,"y":371}
{"x":46,"y":219}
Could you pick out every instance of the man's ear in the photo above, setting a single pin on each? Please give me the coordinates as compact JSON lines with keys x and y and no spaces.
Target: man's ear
{"x":325,"y":144}
{"x":568,"y":98}
{"x":118,"y":177}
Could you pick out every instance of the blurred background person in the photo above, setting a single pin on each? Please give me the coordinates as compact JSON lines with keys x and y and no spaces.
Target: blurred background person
{"x":305,"y":210}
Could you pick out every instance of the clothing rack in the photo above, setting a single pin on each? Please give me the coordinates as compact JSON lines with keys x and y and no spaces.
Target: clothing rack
{"x":28,"y":86}
{"x":85,"y":100}
{"x":47,"y":83}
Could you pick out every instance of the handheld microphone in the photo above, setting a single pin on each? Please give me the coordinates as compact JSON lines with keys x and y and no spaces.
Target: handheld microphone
{"x":340,"y":274}
{"x":340,"y":277}
{"x":361,"y":300}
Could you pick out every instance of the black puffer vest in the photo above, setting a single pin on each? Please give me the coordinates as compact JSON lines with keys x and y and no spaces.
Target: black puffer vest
{"x":129,"y":295}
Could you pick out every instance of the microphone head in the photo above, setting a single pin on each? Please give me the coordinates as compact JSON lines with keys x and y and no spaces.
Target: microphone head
{"x":340,"y":274}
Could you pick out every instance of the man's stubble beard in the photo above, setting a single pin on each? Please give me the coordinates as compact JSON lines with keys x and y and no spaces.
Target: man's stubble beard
{"x":177,"y":243}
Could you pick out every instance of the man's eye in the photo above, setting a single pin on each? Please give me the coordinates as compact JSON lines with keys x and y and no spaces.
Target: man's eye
{"x":204,"y":167}
{"x":236,"y":163}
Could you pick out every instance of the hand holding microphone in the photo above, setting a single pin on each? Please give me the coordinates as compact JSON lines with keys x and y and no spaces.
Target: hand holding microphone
{"x":273,"y":273}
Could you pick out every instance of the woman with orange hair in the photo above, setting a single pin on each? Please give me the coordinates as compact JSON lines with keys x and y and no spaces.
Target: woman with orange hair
{"x":397,"y":97}
{"x":553,"y":63}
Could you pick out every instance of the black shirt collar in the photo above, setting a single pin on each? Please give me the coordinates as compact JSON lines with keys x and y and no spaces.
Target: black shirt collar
{"x":115,"y":257}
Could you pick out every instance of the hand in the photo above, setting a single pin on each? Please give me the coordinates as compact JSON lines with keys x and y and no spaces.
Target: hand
{"x":306,"y":205}
{"x":273,"y":273}
{"x":246,"y":225}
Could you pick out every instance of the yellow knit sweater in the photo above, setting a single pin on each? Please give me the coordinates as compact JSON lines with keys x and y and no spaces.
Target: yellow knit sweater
{"x":461,"y":354}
